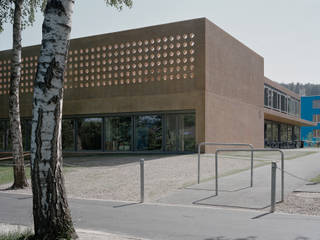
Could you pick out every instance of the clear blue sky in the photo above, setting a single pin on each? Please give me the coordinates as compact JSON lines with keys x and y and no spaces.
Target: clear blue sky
{"x":285,"y":32}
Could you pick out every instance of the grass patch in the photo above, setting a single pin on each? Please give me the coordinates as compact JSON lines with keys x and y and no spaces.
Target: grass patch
{"x":6,"y":174}
{"x":25,"y":235}
{"x":316,"y":179}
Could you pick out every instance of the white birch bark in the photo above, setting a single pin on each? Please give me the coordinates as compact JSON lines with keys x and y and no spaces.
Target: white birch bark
{"x":52,"y":218}
{"x":14,"y":105}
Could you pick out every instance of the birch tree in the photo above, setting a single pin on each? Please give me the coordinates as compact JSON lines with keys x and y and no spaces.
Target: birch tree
{"x":52,"y":218}
{"x":21,"y":14}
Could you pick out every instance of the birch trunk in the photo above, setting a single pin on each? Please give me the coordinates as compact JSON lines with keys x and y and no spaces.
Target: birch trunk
{"x":52,"y":218}
{"x":20,"y":180}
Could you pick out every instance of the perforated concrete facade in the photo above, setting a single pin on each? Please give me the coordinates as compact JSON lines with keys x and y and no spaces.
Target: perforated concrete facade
{"x":189,"y":66}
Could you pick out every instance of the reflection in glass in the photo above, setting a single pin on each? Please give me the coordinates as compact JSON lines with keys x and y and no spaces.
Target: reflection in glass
{"x":89,"y":134}
{"x":8,"y":137}
{"x":118,"y":133}
{"x":284,"y":132}
{"x":296,"y":133}
{"x":171,"y":133}
{"x":268,"y":132}
{"x":186,"y":132}
{"x":180,"y":132}
{"x":289,"y":133}
{"x":149,"y":133}
{"x":68,"y":134}
{"x":26,"y":134}
{"x":275,"y":132}
{"x":2,"y":135}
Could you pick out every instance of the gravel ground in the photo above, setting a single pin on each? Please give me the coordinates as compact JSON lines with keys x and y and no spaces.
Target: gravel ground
{"x":83,"y":234}
{"x":117,"y":177}
{"x":301,"y":203}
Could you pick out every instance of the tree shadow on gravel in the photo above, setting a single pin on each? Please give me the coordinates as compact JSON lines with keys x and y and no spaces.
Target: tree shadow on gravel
{"x":109,"y":159}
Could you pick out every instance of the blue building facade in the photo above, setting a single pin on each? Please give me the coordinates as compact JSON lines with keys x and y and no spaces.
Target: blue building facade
{"x":310,"y":110}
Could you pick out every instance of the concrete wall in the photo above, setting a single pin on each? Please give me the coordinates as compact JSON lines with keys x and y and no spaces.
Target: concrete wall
{"x":190,"y":65}
{"x":158,"y":68}
{"x":234,"y":90}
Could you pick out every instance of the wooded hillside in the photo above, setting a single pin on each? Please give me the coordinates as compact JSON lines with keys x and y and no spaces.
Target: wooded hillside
{"x":308,"y":89}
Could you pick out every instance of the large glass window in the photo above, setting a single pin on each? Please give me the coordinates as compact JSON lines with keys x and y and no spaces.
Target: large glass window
{"x":266,"y":96}
{"x":180,"y":132}
{"x":89,"y":134}
{"x":148,"y":133}
{"x":275,"y":132}
{"x":316,"y":118}
{"x":118,"y":133}
{"x":290,"y":132}
{"x":316,"y":133}
{"x":316,"y":104}
{"x":2,"y":135}
{"x":68,"y":131}
{"x":171,"y":133}
{"x":26,"y":134}
{"x":284,"y":103}
{"x":8,"y":137}
{"x":296,"y":135}
{"x":275,"y":100}
{"x":186,"y":132}
{"x":284,"y":133}
{"x":268,"y":131}
{"x":269,"y":98}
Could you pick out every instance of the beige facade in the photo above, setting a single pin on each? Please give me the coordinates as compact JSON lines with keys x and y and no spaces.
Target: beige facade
{"x":189,"y":66}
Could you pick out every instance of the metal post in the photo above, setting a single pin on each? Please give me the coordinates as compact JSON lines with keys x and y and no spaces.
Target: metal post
{"x":141,"y":180}
{"x":282,"y":177}
{"x":251,"y":178}
{"x":216,"y":170}
{"x":219,"y":144}
{"x":273,"y":185}
{"x":199,"y":148}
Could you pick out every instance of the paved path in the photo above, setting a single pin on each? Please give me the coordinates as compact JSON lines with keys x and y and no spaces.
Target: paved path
{"x":234,"y":190}
{"x":166,"y":221}
{"x":159,"y":222}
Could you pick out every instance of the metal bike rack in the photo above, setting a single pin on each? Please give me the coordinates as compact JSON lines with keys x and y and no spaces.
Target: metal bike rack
{"x":273,"y":185}
{"x":226,"y":144}
{"x":141,"y":180}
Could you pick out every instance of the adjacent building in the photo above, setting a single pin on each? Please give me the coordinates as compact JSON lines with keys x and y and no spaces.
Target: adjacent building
{"x":162,"y":88}
{"x":310,"y":110}
{"x":282,"y":116}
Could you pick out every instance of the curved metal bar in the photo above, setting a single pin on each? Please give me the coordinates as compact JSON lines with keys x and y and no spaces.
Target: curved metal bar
{"x":253,"y":150}
{"x":225,"y":144}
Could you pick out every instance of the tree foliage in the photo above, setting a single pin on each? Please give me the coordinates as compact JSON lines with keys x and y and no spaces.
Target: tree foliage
{"x":118,"y":4}
{"x":29,"y":8}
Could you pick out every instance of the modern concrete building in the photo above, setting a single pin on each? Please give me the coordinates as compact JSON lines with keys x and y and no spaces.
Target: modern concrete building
{"x":162,"y":88}
{"x":310,"y":110}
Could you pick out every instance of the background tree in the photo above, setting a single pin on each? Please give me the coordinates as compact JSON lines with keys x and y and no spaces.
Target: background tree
{"x":52,"y":219}
{"x":307,"y":89}
{"x":21,"y":14}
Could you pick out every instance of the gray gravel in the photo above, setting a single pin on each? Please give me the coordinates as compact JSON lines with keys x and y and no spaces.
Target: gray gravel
{"x":83,"y":234}
{"x":116,"y":177}
{"x":301,"y":203}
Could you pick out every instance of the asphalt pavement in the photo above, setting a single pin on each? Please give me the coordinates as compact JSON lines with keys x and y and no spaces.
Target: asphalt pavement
{"x":184,"y":220}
